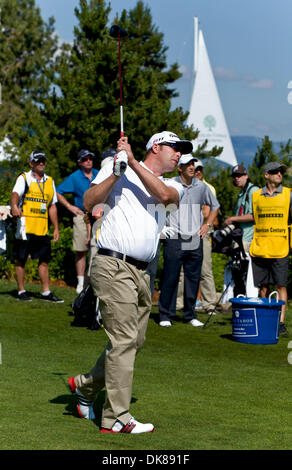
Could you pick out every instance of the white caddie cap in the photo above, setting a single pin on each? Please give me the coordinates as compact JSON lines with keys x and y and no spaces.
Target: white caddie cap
{"x":198,"y":163}
{"x":165,"y":137}
{"x":184,"y":159}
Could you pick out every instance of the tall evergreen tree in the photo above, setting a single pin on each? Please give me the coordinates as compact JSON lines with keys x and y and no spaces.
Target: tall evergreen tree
{"x":84,"y":111}
{"x":27,"y":46}
{"x":266,"y":153}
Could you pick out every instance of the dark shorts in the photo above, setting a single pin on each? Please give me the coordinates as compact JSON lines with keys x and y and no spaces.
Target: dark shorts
{"x":35,"y":246}
{"x":270,"y":271}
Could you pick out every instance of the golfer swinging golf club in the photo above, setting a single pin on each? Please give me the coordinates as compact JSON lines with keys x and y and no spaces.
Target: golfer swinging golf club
{"x":136,"y":199}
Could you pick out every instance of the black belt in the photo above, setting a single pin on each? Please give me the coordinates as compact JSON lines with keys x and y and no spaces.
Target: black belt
{"x":115,"y":254}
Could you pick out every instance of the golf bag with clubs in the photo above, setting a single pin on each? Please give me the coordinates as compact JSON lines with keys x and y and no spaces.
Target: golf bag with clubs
{"x":86,"y":310}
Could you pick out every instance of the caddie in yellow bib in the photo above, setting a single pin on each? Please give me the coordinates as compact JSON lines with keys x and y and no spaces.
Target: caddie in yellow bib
{"x":271,"y":232}
{"x":35,"y":206}
{"x":270,"y":246}
{"x":33,"y":202}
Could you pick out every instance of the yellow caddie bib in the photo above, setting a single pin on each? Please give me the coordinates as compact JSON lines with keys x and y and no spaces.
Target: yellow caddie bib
{"x":271,"y":231}
{"x":35,"y":206}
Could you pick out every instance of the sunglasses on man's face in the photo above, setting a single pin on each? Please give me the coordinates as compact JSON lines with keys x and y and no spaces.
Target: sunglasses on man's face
{"x":85,"y":159}
{"x":237,"y":175}
{"x":173,"y":146}
{"x":275,"y":172}
{"x":40,"y":160}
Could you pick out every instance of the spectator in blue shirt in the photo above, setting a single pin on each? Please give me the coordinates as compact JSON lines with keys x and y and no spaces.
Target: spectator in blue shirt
{"x":76,"y":184}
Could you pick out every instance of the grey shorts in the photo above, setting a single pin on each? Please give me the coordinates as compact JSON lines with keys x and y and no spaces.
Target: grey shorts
{"x":270,"y":271}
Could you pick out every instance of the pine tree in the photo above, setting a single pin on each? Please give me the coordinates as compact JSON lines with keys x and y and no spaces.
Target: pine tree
{"x":27,"y":46}
{"x":266,"y":153}
{"x":84,"y":111}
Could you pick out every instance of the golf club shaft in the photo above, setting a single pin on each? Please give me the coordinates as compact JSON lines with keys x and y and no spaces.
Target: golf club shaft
{"x":121,"y":93}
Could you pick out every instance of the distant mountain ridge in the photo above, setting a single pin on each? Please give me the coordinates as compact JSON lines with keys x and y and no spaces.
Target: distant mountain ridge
{"x":245,"y":148}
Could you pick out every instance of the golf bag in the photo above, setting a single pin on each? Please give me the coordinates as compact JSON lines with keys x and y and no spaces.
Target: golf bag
{"x":86,"y":310}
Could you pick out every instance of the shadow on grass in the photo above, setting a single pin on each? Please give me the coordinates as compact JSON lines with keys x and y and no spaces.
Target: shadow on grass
{"x":14,"y":292}
{"x":70,"y":402}
{"x":228,"y":336}
{"x":175,"y":318}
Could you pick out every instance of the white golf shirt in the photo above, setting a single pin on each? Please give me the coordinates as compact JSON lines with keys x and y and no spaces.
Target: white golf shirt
{"x":19,"y":186}
{"x":132,"y":219}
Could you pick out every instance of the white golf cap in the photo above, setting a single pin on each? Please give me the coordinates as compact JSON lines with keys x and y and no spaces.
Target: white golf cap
{"x":184,"y":159}
{"x":198,"y":163}
{"x":165,"y":137}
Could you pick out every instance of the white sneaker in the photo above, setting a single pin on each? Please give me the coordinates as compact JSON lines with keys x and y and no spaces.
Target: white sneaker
{"x":133,"y":427}
{"x":195,"y":322}
{"x":84,"y":406}
{"x":198,"y":305}
{"x":165,"y":323}
{"x":211,"y":312}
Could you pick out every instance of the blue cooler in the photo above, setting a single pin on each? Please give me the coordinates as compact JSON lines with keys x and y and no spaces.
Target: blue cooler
{"x":256,"y":320}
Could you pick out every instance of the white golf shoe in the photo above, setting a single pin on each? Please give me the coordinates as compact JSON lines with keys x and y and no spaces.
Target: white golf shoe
{"x":84,"y":406}
{"x":132,"y":427}
{"x":196,"y":322}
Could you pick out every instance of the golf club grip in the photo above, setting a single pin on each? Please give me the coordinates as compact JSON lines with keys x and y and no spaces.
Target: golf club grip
{"x":122,"y":121}
{"x":123,"y":166}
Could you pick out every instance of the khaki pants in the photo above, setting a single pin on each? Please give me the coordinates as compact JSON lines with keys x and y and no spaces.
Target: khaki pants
{"x":208,"y":289}
{"x":125,"y":305}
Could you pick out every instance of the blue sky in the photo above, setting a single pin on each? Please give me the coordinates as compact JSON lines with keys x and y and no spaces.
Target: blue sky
{"x":249,"y":46}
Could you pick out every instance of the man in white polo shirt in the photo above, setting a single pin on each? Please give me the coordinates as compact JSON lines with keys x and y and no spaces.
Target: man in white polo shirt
{"x":135,"y":202}
{"x":184,"y":247}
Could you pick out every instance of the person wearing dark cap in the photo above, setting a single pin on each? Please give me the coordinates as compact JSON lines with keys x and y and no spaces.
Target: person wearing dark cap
{"x":33,"y":202}
{"x":243,"y":205}
{"x":270,"y":246}
{"x":76,"y":184}
{"x":107,"y":156}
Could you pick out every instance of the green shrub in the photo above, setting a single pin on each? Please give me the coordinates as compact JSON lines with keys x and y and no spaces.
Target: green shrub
{"x":62,"y":264}
{"x":219,"y":262}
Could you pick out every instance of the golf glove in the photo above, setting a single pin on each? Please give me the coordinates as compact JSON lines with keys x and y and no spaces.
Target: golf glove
{"x":120,"y":163}
{"x":5,"y":211}
{"x":167,"y":232}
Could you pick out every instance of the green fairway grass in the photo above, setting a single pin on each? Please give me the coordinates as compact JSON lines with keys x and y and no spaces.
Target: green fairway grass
{"x":200,"y":389}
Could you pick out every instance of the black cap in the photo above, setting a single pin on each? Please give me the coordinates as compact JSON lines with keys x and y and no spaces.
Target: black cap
{"x":238,"y":170}
{"x":108,"y":153}
{"x":274,"y":166}
{"x":83,"y":153}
